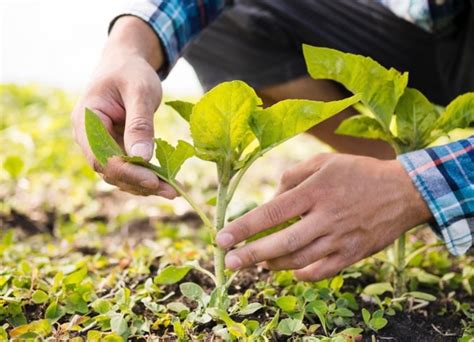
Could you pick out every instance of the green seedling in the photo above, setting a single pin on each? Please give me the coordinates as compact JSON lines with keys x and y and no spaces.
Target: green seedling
{"x":229,"y":128}
{"x":374,"y":321}
{"x":390,"y":111}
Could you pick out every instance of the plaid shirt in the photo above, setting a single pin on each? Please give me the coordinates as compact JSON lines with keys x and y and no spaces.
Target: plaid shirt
{"x":176,"y":22}
{"x":443,"y":175}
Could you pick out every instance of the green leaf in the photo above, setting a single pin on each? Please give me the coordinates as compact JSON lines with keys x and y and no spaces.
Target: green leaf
{"x":13,"y":165}
{"x":41,"y":327}
{"x":177,"y":307}
{"x":343,"y":312}
{"x":39,"y":297}
{"x":352,"y":332}
{"x":219,"y":123}
{"x":192,"y":291}
{"x":320,"y":308}
{"x":289,"y":326}
{"x":75,"y":277}
{"x":380,"y":88}
{"x":54,"y":312}
{"x":250,"y":309}
{"x":287,"y":303}
{"x":377,"y":323}
{"x":366,"y":316}
{"x":426,"y":278}
{"x":421,"y":295}
{"x":362,"y":126}
{"x":377,"y":289}
{"x":337,"y":282}
{"x":415,"y":117}
{"x":171,"y":275}
{"x":119,"y":325}
{"x":76,"y":304}
{"x":318,"y":305}
{"x":171,"y":158}
{"x":183,"y":108}
{"x":458,"y":114}
{"x":286,"y":119}
{"x":101,"y":306}
{"x":235,"y":328}
{"x":100,"y":141}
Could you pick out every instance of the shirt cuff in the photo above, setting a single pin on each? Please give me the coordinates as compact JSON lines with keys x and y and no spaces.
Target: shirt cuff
{"x":444,"y":176}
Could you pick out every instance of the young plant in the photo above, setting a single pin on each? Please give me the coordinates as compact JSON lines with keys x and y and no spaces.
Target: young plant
{"x":230,"y":129}
{"x":391,"y":111}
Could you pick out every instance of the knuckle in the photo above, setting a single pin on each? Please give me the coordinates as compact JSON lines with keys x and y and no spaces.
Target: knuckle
{"x":292,"y":241}
{"x":273,"y":213}
{"x":140,"y":125}
{"x":142,"y":88}
{"x":300,"y":260}
{"x":117,"y":173}
{"x":286,"y":178}
{"x":250,"y":255}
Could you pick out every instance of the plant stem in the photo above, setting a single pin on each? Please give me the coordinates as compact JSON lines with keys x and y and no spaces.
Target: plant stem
{"x":400,"y":266}
{"x":400,"y":286}
{"x":219,"y":254}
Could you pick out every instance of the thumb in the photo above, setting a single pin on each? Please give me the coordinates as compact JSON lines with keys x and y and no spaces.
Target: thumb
{"x":139,"y":132}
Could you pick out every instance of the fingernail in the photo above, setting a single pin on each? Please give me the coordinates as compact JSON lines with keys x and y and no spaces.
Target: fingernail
{"x":233,"y":262}
{"x":141,"y":149}
{"x":224,"y":240}
{"x":150,"y":184}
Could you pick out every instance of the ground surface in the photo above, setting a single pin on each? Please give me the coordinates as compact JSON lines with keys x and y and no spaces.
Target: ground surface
{"x":82,"y":261}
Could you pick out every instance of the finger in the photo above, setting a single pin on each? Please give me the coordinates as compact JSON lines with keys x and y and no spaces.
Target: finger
{"x":165,"y":190}
{"x":323,"y":268}
{"x":278,"y":210}
{"x":316,"y":250}
{"x":285,"y":242}
{"x":140,"y":105}
{"x":137,"y":179}
{"x":300,"y":172}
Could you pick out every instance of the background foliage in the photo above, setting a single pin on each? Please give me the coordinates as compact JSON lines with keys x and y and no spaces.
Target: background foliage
{"x":81,"y":260}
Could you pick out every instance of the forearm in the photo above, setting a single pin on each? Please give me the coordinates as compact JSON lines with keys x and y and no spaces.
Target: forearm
{"x":132,"y":37}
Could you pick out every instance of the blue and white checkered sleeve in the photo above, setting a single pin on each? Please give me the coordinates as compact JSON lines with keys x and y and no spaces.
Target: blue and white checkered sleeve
{"x":444,"y":175}
{"x":175,"y":22}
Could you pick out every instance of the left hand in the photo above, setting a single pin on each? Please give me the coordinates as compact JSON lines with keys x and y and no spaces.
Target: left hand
{"x":351,"y":207}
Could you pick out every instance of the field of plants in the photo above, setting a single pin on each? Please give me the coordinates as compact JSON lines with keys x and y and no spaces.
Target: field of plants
{"x":82,"y":261}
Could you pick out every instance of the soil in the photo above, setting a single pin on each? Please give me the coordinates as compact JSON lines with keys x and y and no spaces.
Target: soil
{"x":422,"y":325}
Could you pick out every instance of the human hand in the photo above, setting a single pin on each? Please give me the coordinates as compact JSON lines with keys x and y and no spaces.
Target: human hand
{"x":125,"y":92}
{"x":351,"y":207}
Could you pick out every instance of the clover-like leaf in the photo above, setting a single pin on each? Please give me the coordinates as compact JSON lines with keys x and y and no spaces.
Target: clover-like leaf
{"x":362,"y":126}
{"x":219,"y":123}
{"x":285,"y":119}
{"x":100,"y":141}
{"x":171,"y":158}
{"x":415,"y":116}
{"x":183,"y":108}
{"x":380,"y":88}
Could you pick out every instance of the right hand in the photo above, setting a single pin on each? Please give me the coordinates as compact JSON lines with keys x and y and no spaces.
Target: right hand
{"x":125,"y":94}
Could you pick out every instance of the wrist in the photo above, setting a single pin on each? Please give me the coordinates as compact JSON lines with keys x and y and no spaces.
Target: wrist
{"x":415,"y":209}
{"x":132,"y":38}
